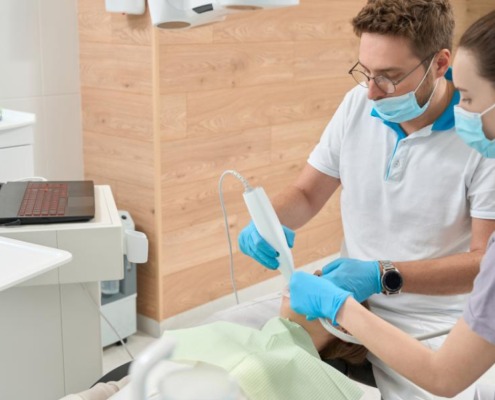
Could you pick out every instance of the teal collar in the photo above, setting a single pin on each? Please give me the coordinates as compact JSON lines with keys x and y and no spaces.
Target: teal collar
{"x":444,"y":122}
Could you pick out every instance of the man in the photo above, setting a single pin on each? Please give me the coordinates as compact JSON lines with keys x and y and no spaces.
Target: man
{"x":418,"y":205}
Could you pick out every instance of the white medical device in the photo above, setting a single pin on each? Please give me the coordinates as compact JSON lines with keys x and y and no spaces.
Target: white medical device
{"x":269,"y":227}
{"x":184,"y":14}
{"x":142,"y":365}
{"x":155,"y":377}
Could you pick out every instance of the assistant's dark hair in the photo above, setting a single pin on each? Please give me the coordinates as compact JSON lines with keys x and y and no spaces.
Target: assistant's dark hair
{"x":479,"y":39}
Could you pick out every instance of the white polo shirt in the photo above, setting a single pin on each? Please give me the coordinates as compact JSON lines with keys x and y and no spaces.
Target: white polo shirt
{"x":405,"y":198}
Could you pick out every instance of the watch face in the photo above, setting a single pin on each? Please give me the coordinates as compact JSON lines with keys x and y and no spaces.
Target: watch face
{"x":392,"y":281}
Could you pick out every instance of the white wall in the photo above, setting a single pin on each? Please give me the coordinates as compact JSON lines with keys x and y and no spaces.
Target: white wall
{"x":39,"y":73}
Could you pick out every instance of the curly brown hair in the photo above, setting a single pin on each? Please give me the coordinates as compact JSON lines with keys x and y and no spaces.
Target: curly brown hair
{"x":427,"y":24}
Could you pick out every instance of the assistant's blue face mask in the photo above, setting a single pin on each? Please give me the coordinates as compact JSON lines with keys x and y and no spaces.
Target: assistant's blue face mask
{"x":402,"y":108}
{"x":469,"y":126}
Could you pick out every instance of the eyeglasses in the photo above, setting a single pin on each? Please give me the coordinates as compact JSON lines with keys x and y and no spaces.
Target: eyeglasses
{"x":385,"y":84}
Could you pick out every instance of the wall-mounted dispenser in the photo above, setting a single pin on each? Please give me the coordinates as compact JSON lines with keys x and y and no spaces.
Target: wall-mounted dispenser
{"x":184,"y":14}
{"x":118,"y":300}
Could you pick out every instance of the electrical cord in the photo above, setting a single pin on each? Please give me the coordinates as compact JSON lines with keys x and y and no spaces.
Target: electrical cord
{"x":98,"y":308}
{"x":247,"y":187}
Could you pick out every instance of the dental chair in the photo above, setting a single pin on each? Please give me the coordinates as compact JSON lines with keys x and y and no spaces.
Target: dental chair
{"x":256,"y":312}
{"x":116,"y":374}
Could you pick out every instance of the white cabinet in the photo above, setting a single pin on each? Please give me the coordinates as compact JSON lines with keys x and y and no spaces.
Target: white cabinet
{"x":16,"y":145}
{"x":50,"y":333}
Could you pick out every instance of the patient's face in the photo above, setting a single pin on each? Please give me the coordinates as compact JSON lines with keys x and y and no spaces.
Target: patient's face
{"x":320,"y":336}
{"x":329,"y":346}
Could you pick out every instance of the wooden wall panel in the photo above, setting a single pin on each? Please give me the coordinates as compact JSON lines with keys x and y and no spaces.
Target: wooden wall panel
{"x":117,"y":114}
{"x":173,"y":113}
{"x":166,"y":112}
{"x":314,"y":61}
{"x":477,"y":8}
{"x":117,"y":109}
{"x":98,"y":26}
{"x":295,"y":140}
{"x":258,"y":117}
{"x":311,"y":20}
{"x":223,"y":111}
{"x":201,"y":158}
{"x":121,"y":67}
{"x":196,"y":67}
{"x":128,"y":159}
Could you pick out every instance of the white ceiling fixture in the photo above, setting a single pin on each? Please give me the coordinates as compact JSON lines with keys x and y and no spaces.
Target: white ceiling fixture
{"x":185,"y":14}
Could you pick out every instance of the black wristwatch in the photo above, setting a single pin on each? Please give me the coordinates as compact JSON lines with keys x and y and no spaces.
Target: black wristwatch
{"x":391,"y":278}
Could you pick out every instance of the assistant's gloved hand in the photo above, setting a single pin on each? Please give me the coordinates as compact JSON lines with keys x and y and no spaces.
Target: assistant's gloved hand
{"x":253,"y":245}
{"x":361,"y":278}
{"x":315,"y":297}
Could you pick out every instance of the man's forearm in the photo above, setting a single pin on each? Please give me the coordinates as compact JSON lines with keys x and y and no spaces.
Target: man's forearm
{"x":452,"y":274}
{"x":442,"y":276}
{"x":293,"y":208}
{"x":302,"y":200}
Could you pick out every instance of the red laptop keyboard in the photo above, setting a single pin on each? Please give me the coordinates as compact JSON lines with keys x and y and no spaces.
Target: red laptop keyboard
{"x":43,"y":198}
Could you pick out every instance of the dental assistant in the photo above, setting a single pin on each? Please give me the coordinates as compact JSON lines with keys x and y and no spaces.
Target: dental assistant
{"x":414,"y":196}
{"x":469,"y":349}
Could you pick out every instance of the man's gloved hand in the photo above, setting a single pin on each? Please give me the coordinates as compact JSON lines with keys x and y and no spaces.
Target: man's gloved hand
{"x":361,"y":278}
{"x":252,"y":244}
{"x":315,"y":297}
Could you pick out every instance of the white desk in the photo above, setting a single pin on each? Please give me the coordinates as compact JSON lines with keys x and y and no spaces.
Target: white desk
{"x":50,"y":338}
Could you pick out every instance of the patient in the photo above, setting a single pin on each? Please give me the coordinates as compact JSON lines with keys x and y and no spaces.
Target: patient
{"x":329,"y":347}
{"x":287,"y":346}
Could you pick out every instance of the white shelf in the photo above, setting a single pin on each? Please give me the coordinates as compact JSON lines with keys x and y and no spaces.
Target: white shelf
{"x":20,"y":261}
{"x":15,"y":119}
{"x":16,"y":145}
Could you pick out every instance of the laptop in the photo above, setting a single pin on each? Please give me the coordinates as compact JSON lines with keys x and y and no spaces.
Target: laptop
{"x":46,"y":202}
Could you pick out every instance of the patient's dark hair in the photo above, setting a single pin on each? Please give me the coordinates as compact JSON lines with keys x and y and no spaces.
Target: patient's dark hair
{"x":351,"y":353}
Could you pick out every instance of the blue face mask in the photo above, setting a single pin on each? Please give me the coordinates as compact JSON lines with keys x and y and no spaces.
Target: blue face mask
{"x":402,"y":108}
{"x":469,"y":127}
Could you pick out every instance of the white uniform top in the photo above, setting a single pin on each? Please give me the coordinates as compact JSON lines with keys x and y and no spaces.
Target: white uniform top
{"x":405,"y":198}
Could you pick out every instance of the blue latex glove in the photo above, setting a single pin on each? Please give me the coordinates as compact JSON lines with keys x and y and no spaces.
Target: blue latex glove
{"x":252,"y":244}
{"x":316,"y":297}
{"x":361,"y":278}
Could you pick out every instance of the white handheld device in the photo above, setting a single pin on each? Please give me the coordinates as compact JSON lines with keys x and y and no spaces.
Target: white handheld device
{"x":335,"y":332}
{"x":269,"y":227}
